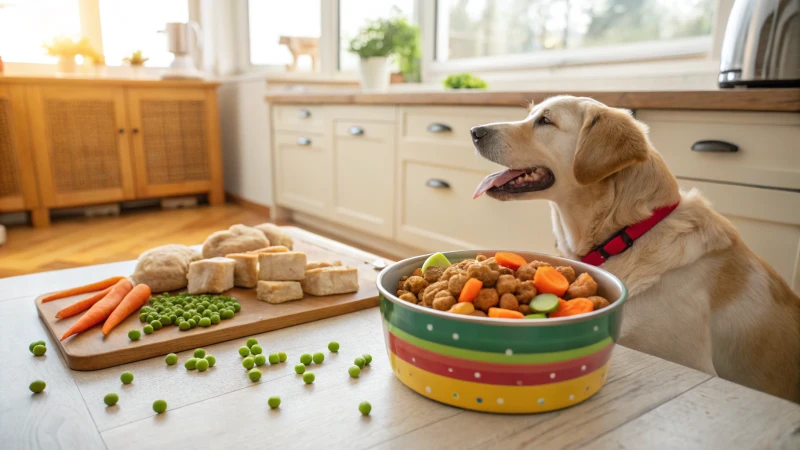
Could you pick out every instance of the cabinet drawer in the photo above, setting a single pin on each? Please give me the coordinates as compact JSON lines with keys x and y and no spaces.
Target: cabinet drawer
{"x":303,"y":172}
{"x":364,"y":130}
{"x":298,"y":118}
{"x":768,"y":145}
{"x":438,"y":213}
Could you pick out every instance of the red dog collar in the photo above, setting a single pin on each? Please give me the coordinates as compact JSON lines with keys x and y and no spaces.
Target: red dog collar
{"x":623,"y":239}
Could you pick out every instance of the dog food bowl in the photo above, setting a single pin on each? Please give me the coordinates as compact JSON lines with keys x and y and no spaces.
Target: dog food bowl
{"x":500,"y":365}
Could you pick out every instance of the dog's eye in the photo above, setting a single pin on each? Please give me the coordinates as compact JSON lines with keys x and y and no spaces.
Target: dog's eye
{"x":544,"y":121}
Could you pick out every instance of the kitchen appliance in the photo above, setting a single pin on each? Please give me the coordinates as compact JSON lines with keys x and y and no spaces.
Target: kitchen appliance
{"x":179,"y":37}
{"x":762,"y":45}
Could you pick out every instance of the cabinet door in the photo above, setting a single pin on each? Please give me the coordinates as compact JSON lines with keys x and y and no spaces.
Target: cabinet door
{"x":363,"y":175}
{"x":80,"y":144}
{"x":17,"y":180}
{"x":303,"y":172}
{"x":175,"y":142}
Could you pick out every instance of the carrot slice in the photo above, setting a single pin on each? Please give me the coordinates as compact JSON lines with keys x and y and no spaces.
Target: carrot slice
{"x":93,"y":287}
{"x":510,"y":260}
{"x":573,"y":307}
{"x":502,"y":313}
{"x":100,"y":310}
{"x":135,"y":299}
{"x":82,"y":305}
{"x":550,"y":281}
{"x":470,"y":290}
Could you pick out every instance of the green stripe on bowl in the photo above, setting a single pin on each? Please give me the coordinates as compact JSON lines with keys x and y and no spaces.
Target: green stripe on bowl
{"x":475,"y":355}
{"x":484,"y":336}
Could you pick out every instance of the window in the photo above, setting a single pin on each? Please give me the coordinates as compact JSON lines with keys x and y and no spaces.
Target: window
{"x":24,"y":27}
{"x":486,"y":28}
{"x":272,"y":23}
{"x":128,"y":26}
{"x":354,"y":14}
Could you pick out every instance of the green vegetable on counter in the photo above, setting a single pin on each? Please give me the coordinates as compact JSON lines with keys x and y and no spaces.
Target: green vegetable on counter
{"x":204,"y":322}
{"x":254,"y":375}
{"x":318,"y":358}
{"x":365,"y":408}
{"x":333,"y":346}
{"x":308,"y":377}
{"x":354,"y":371}
{"x":156,"y":324}
{"x":34,"y":344}
{"x":134,"y":335}
{"x":360,"y":362}
{"x":367,"y":358}
{"x":201,"y":365}
{"x":185,"y":325}
{"x":171,"y":359}
{"x":126,"y":377}
{"x":159,"y":406}
{"x":199,"y":353}
{"x":248,"y":362}
{"x":256,"y":349}
{"x":282,"y":356}
{"x":244,"y":351}
{"x":274,"y":401}
{"x":260,"y":360}
{"x":306,"y":358}
{"x":111,"y":399}
{"x":37,"y":386}
{"x":211,"y":360}
{"x":190,"y":364}
{"x":274,"y":358}
{"x":299,"y":368}
{"x":148,"y":329}
{"x":39,"y":350}
{"x":251,"y":342}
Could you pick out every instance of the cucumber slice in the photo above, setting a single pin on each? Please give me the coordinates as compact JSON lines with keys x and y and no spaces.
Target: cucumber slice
{"x":436,"y":260}
{"x":544,"y":303}
{"x":536,"y":316}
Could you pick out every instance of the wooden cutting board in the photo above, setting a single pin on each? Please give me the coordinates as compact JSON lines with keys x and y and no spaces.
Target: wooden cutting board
{"x":91,"y":350}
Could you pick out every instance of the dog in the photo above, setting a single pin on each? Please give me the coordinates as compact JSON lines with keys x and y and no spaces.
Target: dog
{"x":698,"y":295}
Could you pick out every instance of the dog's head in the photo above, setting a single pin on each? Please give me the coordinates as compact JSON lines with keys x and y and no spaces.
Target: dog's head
{"x":565,"y":143}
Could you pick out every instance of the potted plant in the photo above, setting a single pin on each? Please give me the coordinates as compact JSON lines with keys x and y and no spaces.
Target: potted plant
{"x":136,"y":61}
{"x":378,"y":41}
{"x":99,"y":63}
{"x":66,"y":48}
{"x":463,"y":81}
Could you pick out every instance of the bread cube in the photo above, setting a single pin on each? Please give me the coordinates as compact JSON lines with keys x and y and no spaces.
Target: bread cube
{"x":245,"y":274}
{"x":211,"y":276}
{"x":279,"y":291}
{"x":272,"y":249}
{"x":283,"y":266}
{"x":330,"y":280}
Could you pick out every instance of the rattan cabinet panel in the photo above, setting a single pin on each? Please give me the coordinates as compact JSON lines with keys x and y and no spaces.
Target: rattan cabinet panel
{"x":17,"y":179}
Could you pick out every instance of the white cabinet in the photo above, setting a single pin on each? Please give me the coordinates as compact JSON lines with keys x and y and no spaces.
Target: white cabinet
{"x":303,"y":177}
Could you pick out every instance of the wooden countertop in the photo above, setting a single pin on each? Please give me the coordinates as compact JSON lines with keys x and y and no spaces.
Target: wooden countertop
{"x":785,"y":100}
{"x":646,"y":403}
{"x":98,"y":81}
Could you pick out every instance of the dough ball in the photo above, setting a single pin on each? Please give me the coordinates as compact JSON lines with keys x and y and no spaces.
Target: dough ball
{"x":165,"y":268}
{"x":236,"y":239}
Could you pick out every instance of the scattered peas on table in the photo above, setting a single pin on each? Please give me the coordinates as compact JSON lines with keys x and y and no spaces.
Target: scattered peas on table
{"x":300,"y":368}
{"x":34,"y":344}
{"x":159,"y":406}
{"x":39,"y":350}
{"x":111,"y":399}
{"x":211,"y":360}
{"x":306,"y":358}
{"x":256,"y":349}
{"x":126,"y":377}
{"x":282,"y":356}
{"x":274,"y":401}
{"x":365,"y":408}
{"x":367,"y":358}
{"x":260,"y":360}
{"x":190,"y":364}
{"x":354,"y":371}
{"x":308,"y":377}
{"x":171,"y":359}
{"x":134,"y":335}
{"x":248,"y":362}
{"x":251,"y":342}
{"x":254,"y":375}
{"x":201,"y":365}
{"x":244,"y":351}
{"x":318,"y":358}
{"x":148,"y":329}
{"x":199,"y":353}
{"x":333,"y":346}
{"x":273,"y":358}
{"x":37,"y":386}
{"x":360,"y":362}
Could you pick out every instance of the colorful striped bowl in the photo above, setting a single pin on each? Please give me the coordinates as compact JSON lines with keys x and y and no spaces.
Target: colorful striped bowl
{"x":500,"y":365}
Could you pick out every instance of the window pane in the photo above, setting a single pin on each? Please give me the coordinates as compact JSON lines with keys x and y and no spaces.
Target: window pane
{"x":271,"y":20}
{"x":476,"y":28}
{"x":24,"y":27}
{"x":354,"y":15}
{"x":131,"y":26}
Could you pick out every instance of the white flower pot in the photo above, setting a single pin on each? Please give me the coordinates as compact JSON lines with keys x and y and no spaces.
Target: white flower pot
{"x":66,"y":64}
{"x":375,"y":73}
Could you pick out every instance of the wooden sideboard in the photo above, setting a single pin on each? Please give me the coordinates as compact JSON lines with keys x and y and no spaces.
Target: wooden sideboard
{"x":73,"y":142}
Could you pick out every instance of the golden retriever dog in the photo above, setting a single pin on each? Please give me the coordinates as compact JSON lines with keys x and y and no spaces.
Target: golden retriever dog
{"x":698,"y":295}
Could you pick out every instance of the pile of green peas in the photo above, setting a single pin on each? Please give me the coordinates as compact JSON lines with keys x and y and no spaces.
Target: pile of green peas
{"x":187,"y":311}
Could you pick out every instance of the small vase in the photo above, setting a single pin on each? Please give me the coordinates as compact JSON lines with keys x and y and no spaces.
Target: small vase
{"x":375,"y":73}
{"x":66,"y":64}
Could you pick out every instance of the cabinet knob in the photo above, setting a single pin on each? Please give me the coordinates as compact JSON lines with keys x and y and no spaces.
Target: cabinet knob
{"x":135,"y":130}
{"x":437,"y":184}
{"x":122,"y":131}
{"x":356,"y":131}
{"x":439,"y":128}
{"x":303,"y":113}
{"x":714,"y":147}
{"x":303,"y":141}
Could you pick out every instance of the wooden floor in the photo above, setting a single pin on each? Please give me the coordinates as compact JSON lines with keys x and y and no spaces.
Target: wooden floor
{"x":78,"y":242}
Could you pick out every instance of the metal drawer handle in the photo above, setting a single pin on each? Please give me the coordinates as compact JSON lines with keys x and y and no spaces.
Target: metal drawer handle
{"x":356,"y":131}
{"x":122,"y":131}
{"x":303,"y":113}
{"x":439,"y":128}
{"x":303,"y":141}
{"x":437,"y":184}
{"x":714,"y":147}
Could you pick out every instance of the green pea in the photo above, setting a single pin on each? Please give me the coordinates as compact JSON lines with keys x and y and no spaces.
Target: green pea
{"x":192,"y":323}
{"x":211,"y":360}
{"x":126,"y":377}
{"x":308,"y":377}
{"x":201,"y":365}
{"x":244,"y":351}
{"x":360,"y":362}
{"x":226,"y":314}
{"x":165,"y":320}
{"x":171,"y":359}
{"x":300,"y":368}
{"x":34,"y":344}
{"x":254,"y":375}
{"x":206,"y":314}
{"x":200,"y":309}
{"x":367,"y":358}
{"x":197,"y":318}
{"x":274,"y":401}
{"x":199,"y":353}
{"x":354,"y":371}
{"x":204,"y":322}
{"x":306,"y":358}
{"x":274,"y":358}
{"x":151,"y":317}
{"x":37,"y":386}
{"x":365,"y":408}
{"x":282,"y":356}
{"x":215,"y":318}
{"x":213,"y":308}
{"x":185,"y":325}
{"x":256,"y":349}
{"x":333,"y":346}
{"x":190,"y":364}
{"x":173,"y":317}
{"x":260,"y":360}
{"x":148,"y":329}
{"x":111,"y":399}
{"x":237,"y":307}
{"x":318,"y":358}
{"x":159,"y":406}
{"x":248,"y":362}
{"x":134,"y":335}
{"x":187,"y":315}
{"x":143,"y":317}
{"x":156,"y":324}
{"x":39,"y":350}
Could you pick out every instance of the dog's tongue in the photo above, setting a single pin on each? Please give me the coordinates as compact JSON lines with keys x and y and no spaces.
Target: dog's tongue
{"x":496,"y":179}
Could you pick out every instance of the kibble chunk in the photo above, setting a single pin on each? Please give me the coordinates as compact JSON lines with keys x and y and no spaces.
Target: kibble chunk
{"x":211,"y":276}
{"x":443,"y":300}
{"x":330,"y":280}
{"x":279,"y":291}
{"x":506,"y":284}
{"x":245,"y":273}
{"x":583,"y":286}
{"x":487,"y":298}
{"x":568,"y":272}
{"x":283,"y":266}
{"x":415,"y":284}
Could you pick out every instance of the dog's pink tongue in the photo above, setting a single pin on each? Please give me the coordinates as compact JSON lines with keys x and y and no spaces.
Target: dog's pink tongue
{"x":496,"y":179}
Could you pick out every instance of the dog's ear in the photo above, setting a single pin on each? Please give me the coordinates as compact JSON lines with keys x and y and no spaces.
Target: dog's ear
{"x":610,"y":140}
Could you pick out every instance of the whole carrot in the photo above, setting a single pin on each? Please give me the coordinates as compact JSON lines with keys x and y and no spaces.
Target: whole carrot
{"x":100,"y":310}
{"x":82,"y":305}
{"x":92,"y":287}
{"x":132,"y":302}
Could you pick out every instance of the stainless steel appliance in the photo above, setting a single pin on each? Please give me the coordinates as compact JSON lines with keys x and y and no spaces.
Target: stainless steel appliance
{"x":762,"y":45}
{"x":179,"y":43}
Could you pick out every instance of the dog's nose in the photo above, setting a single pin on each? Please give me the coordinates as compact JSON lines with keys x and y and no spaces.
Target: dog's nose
{"x":478,"y":132}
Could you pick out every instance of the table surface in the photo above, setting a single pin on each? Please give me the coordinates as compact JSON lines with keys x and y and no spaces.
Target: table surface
{"x":647,"y":402}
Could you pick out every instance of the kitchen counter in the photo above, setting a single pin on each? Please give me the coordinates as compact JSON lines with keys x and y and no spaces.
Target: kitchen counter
{"x":105,"y":81}
{"x":779,"y":100}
